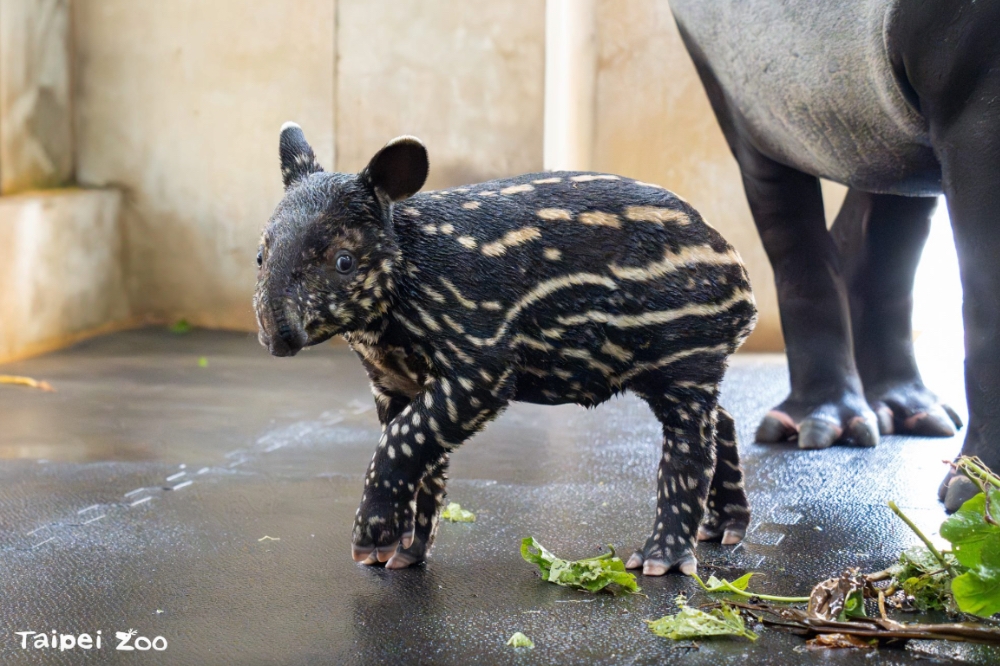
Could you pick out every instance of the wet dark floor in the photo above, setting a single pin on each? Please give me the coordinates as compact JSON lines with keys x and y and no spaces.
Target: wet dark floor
{"x":194,"y":488}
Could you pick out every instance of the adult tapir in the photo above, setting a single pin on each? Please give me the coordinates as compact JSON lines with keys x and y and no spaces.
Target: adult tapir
{"x":900,"y":101}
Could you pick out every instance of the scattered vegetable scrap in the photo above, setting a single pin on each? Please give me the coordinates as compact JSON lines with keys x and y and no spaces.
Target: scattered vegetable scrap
{"x":690,"y":623}
{"x":964,"y":581}
{"x":269,"y":538}
{"x":26,"y":381}
{"x":739,"y":586}
{"x":968,"y":578}
{"x":180,"y":327}
{"x":456,"y":514}
{"x":202,"y":362}
{"x":519,"y":640}
{"x":926,"y":585}
{"x":833,"y":641}
{"x":604,"y":572}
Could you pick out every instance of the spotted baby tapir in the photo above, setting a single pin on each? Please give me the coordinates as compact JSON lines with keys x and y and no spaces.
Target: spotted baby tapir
{"x":552,"y":288}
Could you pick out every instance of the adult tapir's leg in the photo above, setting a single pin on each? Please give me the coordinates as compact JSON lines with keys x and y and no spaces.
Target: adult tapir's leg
{"x":952,"y":61}
{"x":880,"y":238}
{"x":826,"y":403}
{"x":969,"y":148}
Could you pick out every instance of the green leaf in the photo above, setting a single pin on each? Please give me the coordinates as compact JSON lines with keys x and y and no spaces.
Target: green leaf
{"x":603,"y":572}
{"x":520,"y":640}
{"x":716,"y":585}
{"x":202,"y":362}
{"x":180,"y":327}
{"x":690,"y":623}
{"x":854,"y":606}
{"x":978,"y":591}
{"x":975,"y":541}
{"x":456,"y":514}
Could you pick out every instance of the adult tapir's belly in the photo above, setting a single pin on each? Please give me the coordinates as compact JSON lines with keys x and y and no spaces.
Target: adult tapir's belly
{"x":814,"y":85}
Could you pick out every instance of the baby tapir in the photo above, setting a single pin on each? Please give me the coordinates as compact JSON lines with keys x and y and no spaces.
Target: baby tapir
{"x":551,"y":288}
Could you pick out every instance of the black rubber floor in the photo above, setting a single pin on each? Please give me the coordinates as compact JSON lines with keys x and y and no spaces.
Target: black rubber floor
{"x":211,"y":502}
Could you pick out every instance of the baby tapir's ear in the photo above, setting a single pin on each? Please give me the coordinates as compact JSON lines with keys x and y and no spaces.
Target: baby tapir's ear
{"x":399,"y":169}
{"x":297,"y":157}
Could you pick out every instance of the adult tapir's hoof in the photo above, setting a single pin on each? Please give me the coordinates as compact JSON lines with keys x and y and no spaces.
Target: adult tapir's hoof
{"x":911,"y":409}
{"x":847,"y":421}
{"x":955,"y":491}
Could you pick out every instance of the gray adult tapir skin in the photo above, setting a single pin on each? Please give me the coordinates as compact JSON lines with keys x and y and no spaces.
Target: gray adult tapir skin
{"x":551,"y":288}
{"x":899,"y":100}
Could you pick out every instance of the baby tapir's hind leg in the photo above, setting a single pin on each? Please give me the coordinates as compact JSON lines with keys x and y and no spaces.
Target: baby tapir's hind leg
{"x":429,"y":501}
{"x":687,"y":410}
{"x":728,"y":513}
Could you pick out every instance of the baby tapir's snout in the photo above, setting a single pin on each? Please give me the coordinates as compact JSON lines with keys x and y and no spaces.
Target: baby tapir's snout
{"x":279,"y":317}
{"x":279,"y":323}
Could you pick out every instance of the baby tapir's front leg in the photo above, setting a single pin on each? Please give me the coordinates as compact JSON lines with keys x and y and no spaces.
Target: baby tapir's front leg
{"x":413,"y":449}
{"x":430,"y":491}
{"x":413,"y":547}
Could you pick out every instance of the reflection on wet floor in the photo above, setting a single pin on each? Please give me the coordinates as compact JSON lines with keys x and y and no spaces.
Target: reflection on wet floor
{"x":141,"y":492}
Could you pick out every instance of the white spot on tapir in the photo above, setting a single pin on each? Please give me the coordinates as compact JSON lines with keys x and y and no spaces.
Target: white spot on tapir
{"x":587,"y":177}
{"x":656,"y":215}
{"x":552,"y":253}
{"x":554,"y":214}
{"x":467,"y":242}
{"x":517,"y":189}
{"x":511,"y":239}
{"x":419,"y":437}
{"x":600,"y":219}
{"x":391,"y":451}
{"x":407,"y":451}
{"x":471,"y":205}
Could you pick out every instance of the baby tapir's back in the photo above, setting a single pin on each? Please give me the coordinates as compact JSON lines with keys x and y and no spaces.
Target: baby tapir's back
{"x":586,"y":279}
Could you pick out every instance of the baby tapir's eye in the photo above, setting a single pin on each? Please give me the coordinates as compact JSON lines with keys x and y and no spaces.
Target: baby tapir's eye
{"x":344,"y":262}
{"x":260,"y":258}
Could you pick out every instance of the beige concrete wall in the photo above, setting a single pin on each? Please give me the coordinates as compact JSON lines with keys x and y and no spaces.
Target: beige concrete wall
{"x":60,"y":267}
{"x":465,"y":77}
{"x":653,"y":122}
{"x":36,"y":147}
{"x":179,"y":103}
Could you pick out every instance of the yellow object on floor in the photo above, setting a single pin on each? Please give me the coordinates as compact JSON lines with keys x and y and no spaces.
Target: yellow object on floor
{"x":26,"y":381}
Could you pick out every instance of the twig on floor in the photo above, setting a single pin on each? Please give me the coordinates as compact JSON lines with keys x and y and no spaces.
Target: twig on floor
{"x":26,"y":381}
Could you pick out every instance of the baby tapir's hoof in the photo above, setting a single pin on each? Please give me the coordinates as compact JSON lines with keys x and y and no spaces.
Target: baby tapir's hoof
{"x":654,"y":563}
{"x":412,"y":547}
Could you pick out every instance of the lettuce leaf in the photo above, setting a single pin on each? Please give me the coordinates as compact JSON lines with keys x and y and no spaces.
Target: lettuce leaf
{"x":604,"y":572}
